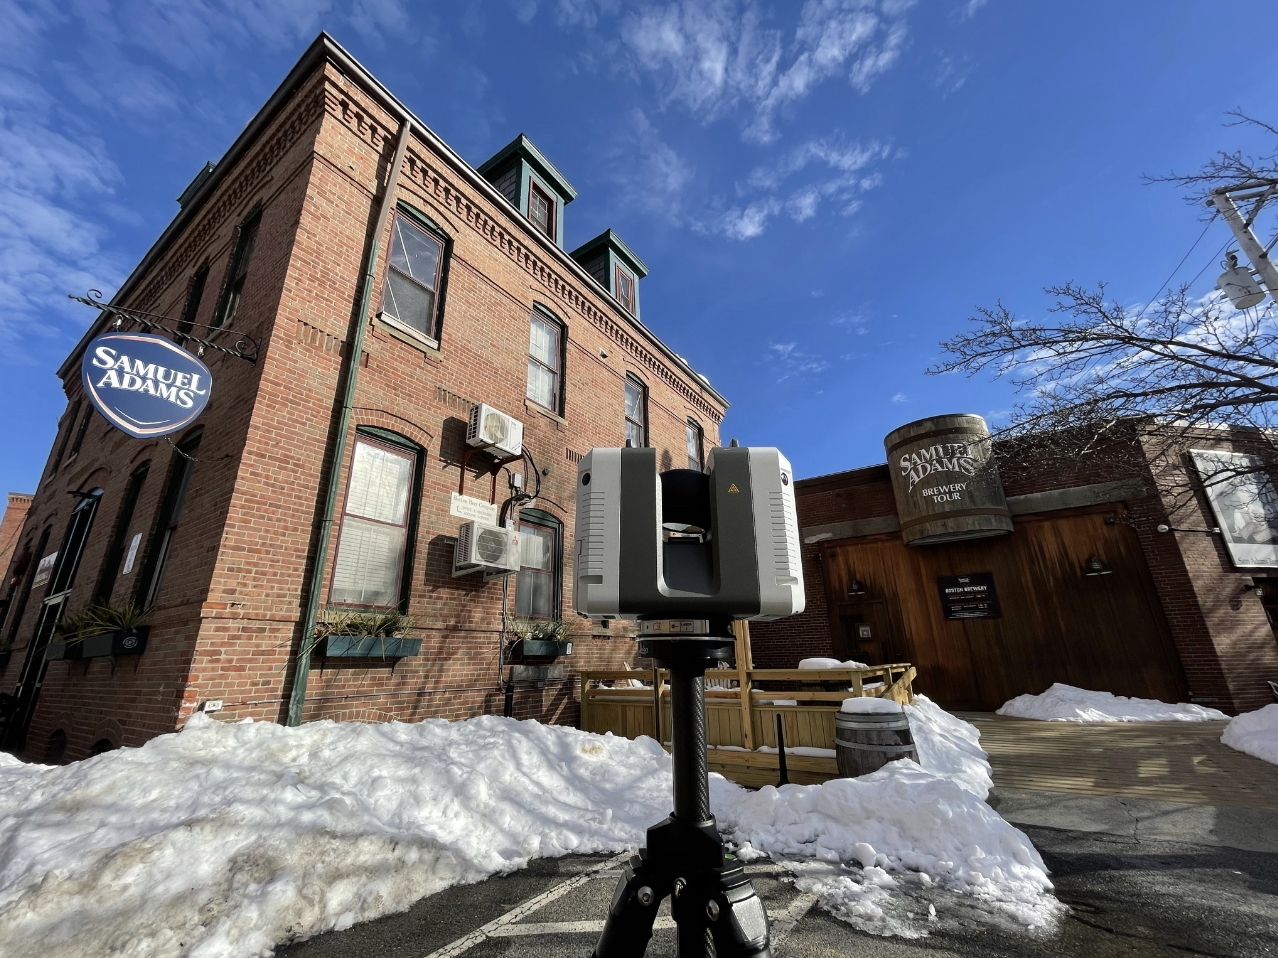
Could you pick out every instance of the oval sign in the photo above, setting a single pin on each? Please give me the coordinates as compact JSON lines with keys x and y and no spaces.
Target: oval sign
{"x":145,"y":385}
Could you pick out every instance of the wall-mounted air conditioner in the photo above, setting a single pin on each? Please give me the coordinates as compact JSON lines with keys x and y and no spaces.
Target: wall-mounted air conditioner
{"x":484,"y":548}
{"x":496,"y":430}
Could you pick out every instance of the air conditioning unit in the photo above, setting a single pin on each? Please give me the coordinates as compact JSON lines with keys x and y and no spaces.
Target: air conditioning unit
{"x":494,"y":429}
{"x":484,"y":548}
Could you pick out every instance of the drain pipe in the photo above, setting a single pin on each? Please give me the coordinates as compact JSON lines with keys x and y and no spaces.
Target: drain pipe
{"x":302,"y":667}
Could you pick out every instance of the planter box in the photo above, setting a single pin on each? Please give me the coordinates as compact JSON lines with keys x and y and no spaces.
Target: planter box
{"x":541,"y":648}
{"x":369,"y":647}
{"x":57,"y":651}
{"x":119,"y":642}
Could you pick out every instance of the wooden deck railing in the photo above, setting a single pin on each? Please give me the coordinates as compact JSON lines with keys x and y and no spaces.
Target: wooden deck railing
{"x":739,"y":716}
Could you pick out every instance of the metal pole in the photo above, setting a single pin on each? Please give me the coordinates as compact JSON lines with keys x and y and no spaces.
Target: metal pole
{"x":355,"y":348}
{"x":1247,"y":240}
{"x":688,"y":741}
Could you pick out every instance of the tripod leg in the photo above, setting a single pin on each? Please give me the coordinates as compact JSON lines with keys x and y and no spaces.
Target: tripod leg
{"x":628,"y":928}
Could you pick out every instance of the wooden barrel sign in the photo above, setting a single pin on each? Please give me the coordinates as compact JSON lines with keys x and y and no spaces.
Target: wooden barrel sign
{"x":946,"y":483}
{"x":866,"y":741}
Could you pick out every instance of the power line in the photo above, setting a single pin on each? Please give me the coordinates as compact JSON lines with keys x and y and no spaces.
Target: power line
{"x":1180,"y":264}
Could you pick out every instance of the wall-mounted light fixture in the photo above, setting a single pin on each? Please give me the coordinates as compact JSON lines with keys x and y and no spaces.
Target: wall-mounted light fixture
{"x":1214,"y":530}
{"x":1094,"y":566}
{"x":856,"y":587}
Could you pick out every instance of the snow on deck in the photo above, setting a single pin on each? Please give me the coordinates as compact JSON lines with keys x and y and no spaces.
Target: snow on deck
{"x":1066,"y":703}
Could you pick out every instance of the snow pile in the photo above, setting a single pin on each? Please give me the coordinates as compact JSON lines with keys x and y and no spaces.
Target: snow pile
{"x":902,"y":825}
{"x":820,"y":663}
{"x":224,"y":840}
{"x":227,"y":839}
{"x":1065,"y":703}
{"x":1255,"y":733}
{"x":949,"y":747}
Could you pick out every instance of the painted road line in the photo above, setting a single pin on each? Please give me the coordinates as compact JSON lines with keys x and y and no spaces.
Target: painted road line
{"x":484,"y":932}
{"x":565,"y":928}
{"x":786,"y":921}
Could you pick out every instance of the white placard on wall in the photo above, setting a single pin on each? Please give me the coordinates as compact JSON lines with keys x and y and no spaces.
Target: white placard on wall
{"x":477,"y":510}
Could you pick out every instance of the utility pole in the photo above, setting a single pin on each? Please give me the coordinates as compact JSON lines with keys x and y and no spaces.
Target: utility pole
{"x":1225,"y":199}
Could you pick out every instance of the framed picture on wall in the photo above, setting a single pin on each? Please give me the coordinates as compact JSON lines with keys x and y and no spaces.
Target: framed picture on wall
{"x":1245,"y":504}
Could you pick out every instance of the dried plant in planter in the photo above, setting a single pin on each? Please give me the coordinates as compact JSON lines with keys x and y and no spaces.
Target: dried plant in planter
{"x":97,"y":619}
{"x":541,"y":630}
{"x":384,"y":623}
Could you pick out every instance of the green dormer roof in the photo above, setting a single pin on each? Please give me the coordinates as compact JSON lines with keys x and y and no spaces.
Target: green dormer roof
{"x":611,"y":241}
{"x":521,"y":148}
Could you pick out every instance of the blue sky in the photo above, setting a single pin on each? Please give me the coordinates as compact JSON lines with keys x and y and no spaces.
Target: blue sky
{"x":821,"y":190}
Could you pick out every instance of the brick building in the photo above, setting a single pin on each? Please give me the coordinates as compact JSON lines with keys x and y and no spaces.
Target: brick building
{"x":1167,"y":613}
{"x":338,"y":216}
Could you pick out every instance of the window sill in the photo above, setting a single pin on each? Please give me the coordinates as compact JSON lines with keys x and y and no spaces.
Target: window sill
{"x":409,"y":336}
{"x":537,"y":407}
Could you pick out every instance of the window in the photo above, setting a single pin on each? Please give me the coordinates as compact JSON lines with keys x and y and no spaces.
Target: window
{"x":69,"y":420}
{"x":79,"y":435}
{"x":166,"y":524}
{"x":28,"y":580}
{"x":538,"y":584}
{"x":541,"y":209}
{"x":238,"y":272}
{"x":193,"y":297}
{"x":696,"y":446}
{"x":625,"y":288}
{"x":115,"y":552}
{"x":544,"y":352}
{"x":636,"y":413}
{"x":410,"y":296}
{"x":369,"y":567}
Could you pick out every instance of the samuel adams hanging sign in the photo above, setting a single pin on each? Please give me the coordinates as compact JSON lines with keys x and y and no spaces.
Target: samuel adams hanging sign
{"x":145,"y":385}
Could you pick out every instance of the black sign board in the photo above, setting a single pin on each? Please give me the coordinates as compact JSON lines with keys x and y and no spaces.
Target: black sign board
{"x":969,"y":596}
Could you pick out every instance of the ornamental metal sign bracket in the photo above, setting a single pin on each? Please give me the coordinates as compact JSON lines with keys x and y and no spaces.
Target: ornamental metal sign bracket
{"x":245,"y":346}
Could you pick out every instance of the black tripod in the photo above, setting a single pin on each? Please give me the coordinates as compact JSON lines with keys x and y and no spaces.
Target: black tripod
{"x":684,"y":856}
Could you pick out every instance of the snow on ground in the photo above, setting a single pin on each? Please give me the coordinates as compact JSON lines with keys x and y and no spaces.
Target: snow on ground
{"x":1065,"y":703}
{"x":227,"y":839}
{"x":1255,"y":733}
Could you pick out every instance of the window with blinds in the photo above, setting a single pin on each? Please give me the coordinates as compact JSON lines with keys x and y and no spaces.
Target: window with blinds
{"x":369,"y":566}
{"x":543,"y":362}
{"x":535,"y":586}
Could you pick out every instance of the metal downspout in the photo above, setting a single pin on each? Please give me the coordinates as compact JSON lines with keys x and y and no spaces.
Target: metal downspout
{"x":302,"y":668}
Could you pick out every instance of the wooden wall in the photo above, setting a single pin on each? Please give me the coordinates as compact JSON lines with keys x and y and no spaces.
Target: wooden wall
{"x":1057,"y":625}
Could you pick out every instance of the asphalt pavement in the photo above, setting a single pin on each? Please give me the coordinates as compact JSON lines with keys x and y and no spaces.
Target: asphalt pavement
{"x":1140,"y":879}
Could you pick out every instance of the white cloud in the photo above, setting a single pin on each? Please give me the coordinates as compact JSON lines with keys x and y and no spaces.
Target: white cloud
{"x":790,"y":362}
{"x":712,"y":56}
{"x":900,"y":397}
{"x":968,"y":9}
{"x":648,"y":172}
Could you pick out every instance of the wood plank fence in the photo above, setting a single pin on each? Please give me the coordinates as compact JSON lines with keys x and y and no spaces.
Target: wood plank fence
{"x":741,"y":718}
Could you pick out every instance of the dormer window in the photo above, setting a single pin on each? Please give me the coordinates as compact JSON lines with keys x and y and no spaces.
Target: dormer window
{"x":624,"y":284}
{"x":541,"y":209}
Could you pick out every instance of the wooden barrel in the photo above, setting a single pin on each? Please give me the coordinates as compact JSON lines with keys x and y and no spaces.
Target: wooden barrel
{"x":865,"y":742}
{"x":945,"y":482}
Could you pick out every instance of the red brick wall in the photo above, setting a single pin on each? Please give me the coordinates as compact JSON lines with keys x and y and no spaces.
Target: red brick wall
{"x":227,"y":621}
